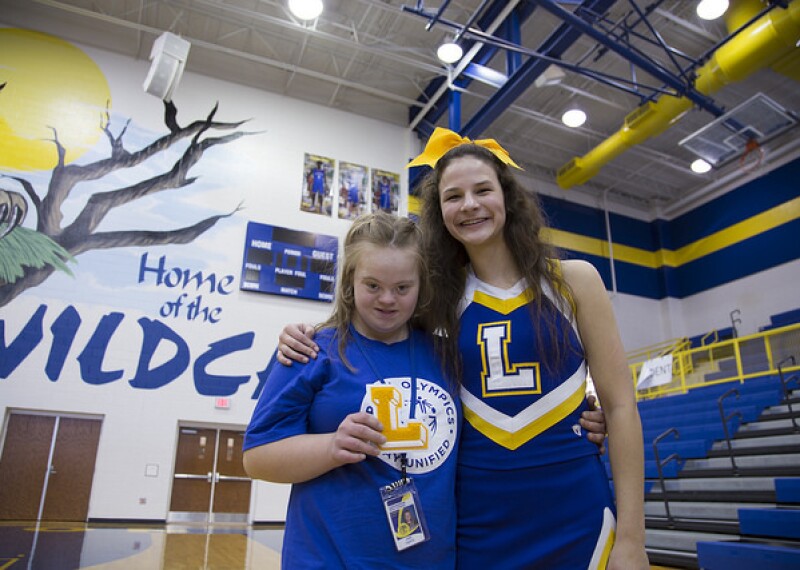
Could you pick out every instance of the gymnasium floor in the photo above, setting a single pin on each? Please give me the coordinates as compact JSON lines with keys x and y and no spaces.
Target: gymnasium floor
{"x":68,"y":546}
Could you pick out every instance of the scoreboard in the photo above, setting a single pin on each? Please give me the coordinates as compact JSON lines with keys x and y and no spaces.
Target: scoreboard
{"x":294,"y":263}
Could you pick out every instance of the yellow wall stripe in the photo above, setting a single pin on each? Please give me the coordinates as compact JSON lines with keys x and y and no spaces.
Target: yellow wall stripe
{"x":767,"y":220}
{"x":413,"y":205}
{"x":599,"y":247}
{"x":760,"y":223}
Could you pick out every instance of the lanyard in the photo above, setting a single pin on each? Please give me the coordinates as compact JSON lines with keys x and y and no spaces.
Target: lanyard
{"x":378,"y":377}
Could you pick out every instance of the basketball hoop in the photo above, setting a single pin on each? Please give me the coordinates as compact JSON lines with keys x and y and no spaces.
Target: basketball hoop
{"x":740,"y":133}
{"x":751,"y":158}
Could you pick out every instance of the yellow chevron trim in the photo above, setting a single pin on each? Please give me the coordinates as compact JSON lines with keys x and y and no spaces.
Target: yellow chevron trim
{"x":503,"y":306}
{"x":513,"y":440}
{"x":605,"y":542}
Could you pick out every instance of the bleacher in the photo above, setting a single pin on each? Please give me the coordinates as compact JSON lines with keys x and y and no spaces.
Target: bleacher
{"x":752,"y":358}
{"x":722,"y":454}
{"x":711,"y":337}
{"x":782,"y":319}
{"x":769,"y":536}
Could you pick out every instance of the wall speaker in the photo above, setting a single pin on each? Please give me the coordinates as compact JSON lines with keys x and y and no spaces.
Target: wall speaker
{"x":168,"y":58}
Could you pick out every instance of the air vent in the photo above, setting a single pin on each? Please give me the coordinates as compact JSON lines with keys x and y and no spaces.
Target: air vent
{"x":638,"y":115}
{"x":567,"y":167}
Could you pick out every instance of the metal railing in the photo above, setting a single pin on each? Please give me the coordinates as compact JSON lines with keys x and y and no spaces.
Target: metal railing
{"x":691,"y":366}
{"x":785,"y":385}
{"x":658,"y":349}
{"x":725,"y":419}
{"x":660,"y":467}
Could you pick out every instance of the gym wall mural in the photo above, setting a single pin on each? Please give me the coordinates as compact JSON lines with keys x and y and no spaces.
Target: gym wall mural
{"x":96,"y":214}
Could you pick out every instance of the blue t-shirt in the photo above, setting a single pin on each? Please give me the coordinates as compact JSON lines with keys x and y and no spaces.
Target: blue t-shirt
{"x":338,"y":520}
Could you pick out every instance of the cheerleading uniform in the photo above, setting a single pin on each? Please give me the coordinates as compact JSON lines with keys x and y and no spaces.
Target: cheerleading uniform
{"x":338,"y":520}
{"x":532,"y":492}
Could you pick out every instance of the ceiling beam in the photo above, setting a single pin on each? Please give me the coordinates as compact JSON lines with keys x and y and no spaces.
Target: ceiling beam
{"x":554,"y":46}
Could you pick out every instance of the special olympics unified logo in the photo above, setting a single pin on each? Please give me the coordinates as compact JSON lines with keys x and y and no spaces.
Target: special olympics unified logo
{"x":427,"y":438}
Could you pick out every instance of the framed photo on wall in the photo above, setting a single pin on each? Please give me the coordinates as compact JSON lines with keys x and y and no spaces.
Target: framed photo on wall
{"x":317,"y":185}
{"x":353,"y":183}
{"x":385,"y":191}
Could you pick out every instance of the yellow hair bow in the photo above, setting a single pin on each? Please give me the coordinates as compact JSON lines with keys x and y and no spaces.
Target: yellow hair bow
{"x":442,"y":140}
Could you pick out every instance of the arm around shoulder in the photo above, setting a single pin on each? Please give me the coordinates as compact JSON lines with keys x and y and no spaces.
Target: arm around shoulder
{"x":296,"y":344}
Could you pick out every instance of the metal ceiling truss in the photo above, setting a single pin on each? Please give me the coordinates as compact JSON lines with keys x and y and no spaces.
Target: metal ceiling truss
{"x":618,"y":53}
{"x":677,"y":73}
{"x":519,"y":78}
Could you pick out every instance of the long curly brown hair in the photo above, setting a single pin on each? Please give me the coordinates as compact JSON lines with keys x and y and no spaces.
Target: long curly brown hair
{"x":375,"y":230}
{"x":447,"y":258}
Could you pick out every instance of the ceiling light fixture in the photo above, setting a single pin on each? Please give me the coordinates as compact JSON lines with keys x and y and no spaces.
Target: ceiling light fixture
{"x":711,"y":9}
{"x":449,"y":52}
{"x":700,"y":166}
{"x":573,"y":118}
{"x":306,"y":9}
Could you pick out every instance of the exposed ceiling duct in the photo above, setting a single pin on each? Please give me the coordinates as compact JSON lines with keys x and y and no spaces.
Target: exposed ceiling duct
{"x":771,"y":39}
{"x":377,"y":59}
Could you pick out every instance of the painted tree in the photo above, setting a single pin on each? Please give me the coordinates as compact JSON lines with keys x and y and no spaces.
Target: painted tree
{"x":30,"y":257}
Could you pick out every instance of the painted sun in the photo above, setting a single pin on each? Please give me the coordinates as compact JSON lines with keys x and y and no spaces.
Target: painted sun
{"x":52,"y":89}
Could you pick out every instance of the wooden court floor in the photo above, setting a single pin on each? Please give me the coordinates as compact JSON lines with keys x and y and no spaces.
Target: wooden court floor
{"x":73,"y":546}
{"x":76,"y":546}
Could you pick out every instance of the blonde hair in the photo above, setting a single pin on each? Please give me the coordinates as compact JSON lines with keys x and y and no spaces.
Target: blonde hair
{"x":383,"y":230}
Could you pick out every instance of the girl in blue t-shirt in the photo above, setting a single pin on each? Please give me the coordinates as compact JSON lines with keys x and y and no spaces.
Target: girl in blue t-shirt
{"x":367,"y":433}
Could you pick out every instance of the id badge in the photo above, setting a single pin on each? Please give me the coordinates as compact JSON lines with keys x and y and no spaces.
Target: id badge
{"x":404,"y":511}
